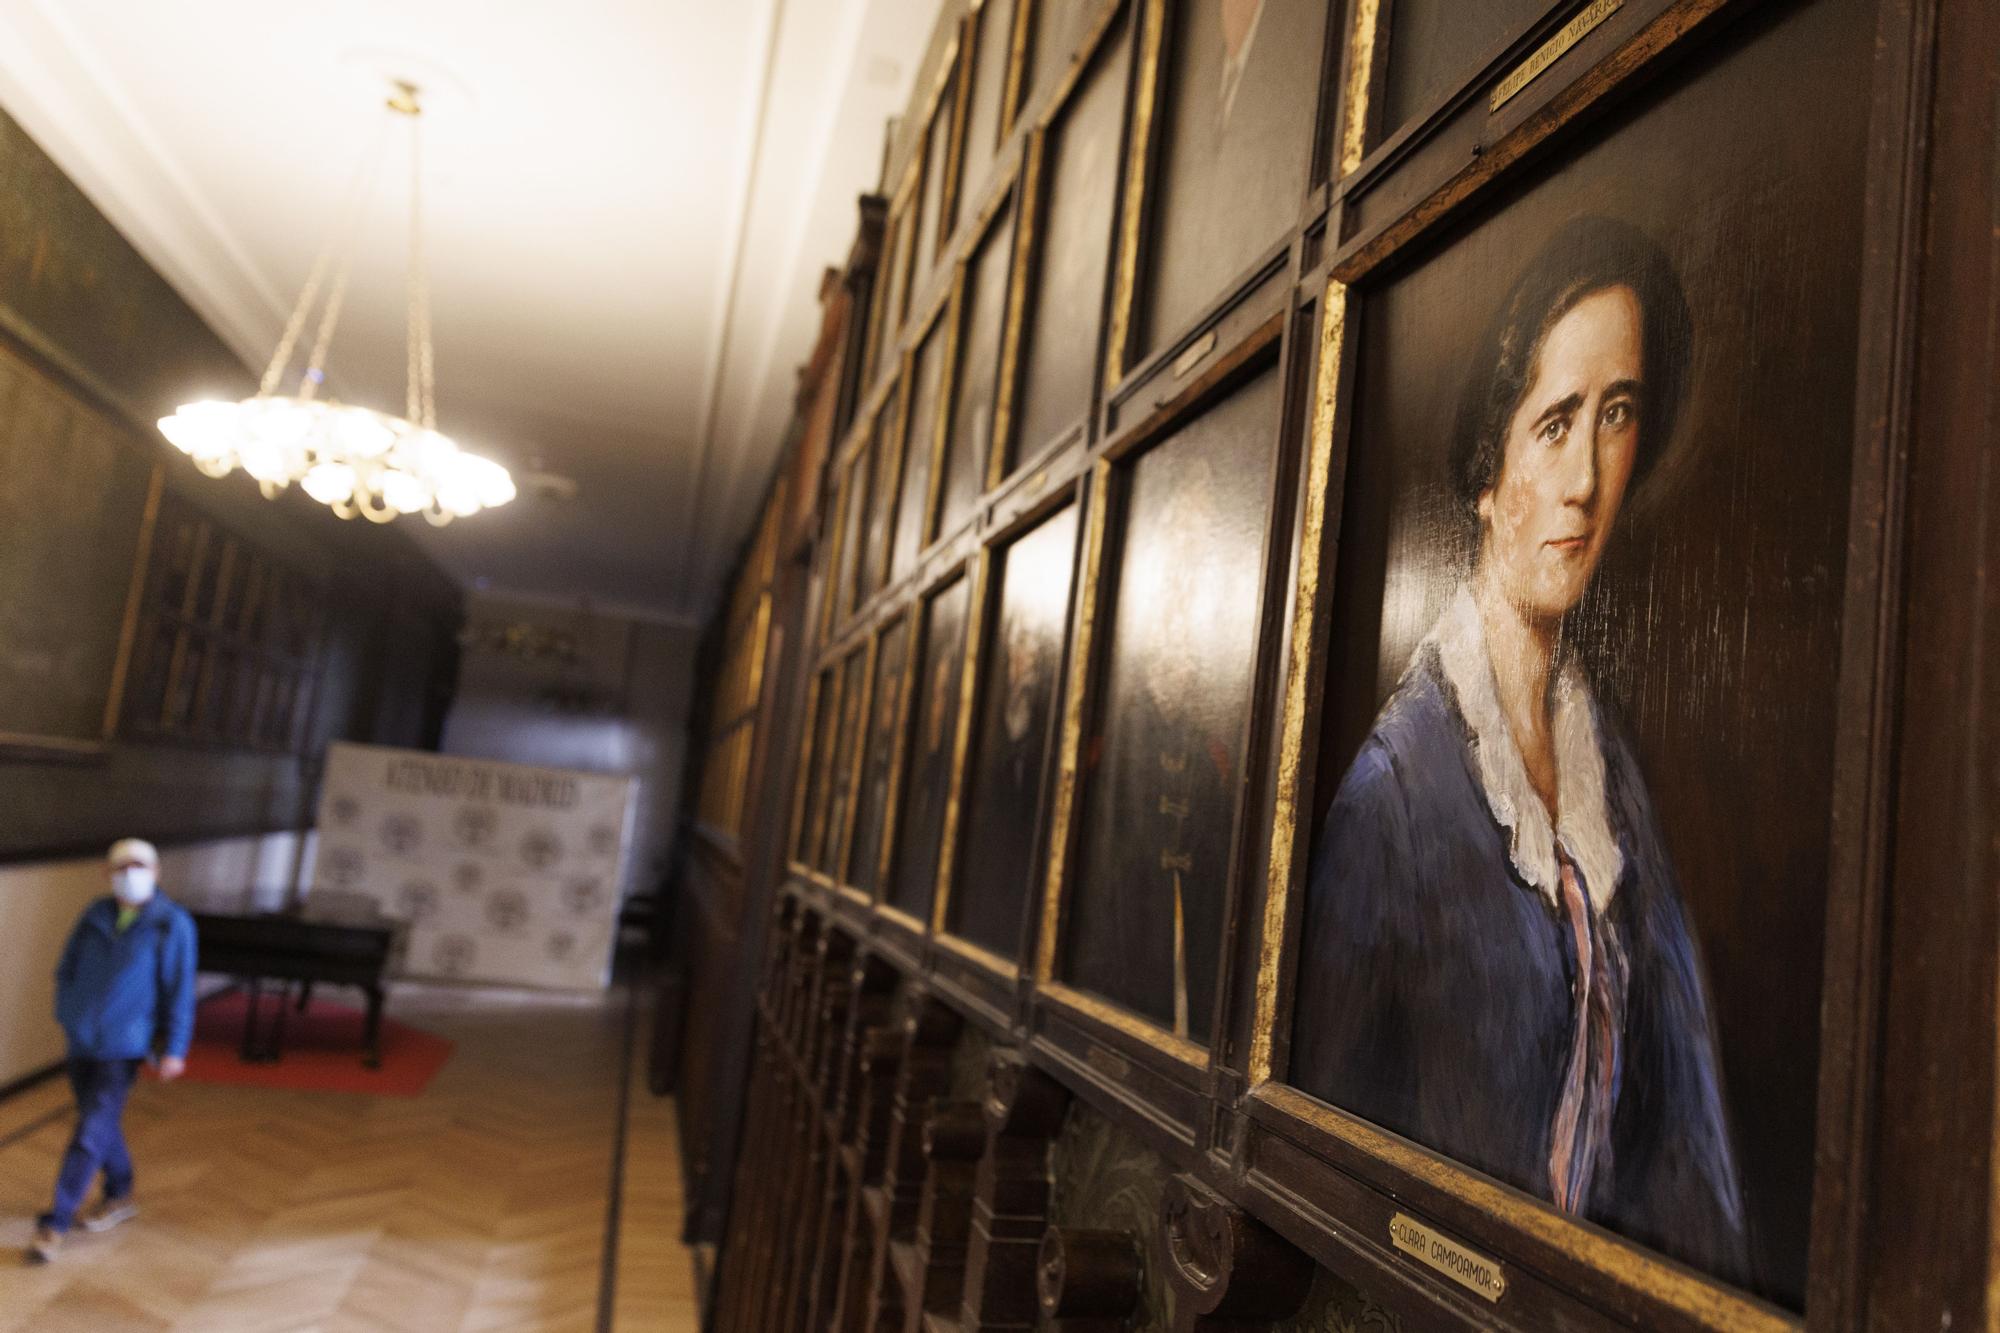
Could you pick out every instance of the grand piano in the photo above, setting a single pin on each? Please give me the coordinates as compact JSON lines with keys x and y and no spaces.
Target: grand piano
{"x":308,"y":949}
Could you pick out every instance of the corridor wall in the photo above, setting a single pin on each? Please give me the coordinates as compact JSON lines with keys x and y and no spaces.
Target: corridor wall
{"x":175,"y":651}
{"x":41,"y":900}
{"x":1160,"y":919}
{"x":586,"y":688}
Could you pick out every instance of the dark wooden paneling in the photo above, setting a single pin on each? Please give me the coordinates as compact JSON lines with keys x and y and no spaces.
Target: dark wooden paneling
{"x":1809,"y":689}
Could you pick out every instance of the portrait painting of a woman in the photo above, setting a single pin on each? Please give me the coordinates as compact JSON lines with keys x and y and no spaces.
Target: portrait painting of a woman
{"x":1496,"y":961}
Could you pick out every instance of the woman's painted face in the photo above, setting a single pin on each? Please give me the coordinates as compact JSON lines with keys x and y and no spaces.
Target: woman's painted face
{"x":1568,"y":457}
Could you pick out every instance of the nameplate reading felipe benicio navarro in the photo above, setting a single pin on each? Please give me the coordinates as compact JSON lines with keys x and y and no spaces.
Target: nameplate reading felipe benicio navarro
{"x":1550,"y":51}
{"x":1468,"y":1268}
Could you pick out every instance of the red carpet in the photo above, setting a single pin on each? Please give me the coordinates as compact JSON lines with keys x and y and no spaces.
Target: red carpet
{"x":322,"y":1050}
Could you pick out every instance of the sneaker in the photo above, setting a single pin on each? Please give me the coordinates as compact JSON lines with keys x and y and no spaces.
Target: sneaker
{"x":42,"y":1250}
{"x":106,"y":1214}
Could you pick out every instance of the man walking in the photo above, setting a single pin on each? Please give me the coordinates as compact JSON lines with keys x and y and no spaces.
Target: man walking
{"x":124,"y":993}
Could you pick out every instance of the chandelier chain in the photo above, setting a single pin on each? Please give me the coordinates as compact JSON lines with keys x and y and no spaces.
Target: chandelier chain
{"x":421,"y":394}
{"x":295,"y":325}
{"x":316,"y":365}
{"x":340,"y":240}
{"x":358,"y":462}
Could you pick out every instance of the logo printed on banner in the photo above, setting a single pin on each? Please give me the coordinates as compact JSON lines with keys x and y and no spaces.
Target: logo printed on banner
{"x":501,"y":872}
{"x":342,"y":867}
{"x":402,"y":834}
{"x":541,"y":849}
{"x":507,"y":910}
{"x":418,"y":900}
{"x":583,"y":896}
{"x":474,"y":825}
{"x":454,"y":955}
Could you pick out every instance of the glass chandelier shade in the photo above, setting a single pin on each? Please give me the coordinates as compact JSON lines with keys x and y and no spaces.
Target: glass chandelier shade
{"x":355,"y":460}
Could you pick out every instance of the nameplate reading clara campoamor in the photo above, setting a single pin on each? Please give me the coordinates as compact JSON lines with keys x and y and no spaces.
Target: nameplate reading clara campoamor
{"x":1467,"y":1267}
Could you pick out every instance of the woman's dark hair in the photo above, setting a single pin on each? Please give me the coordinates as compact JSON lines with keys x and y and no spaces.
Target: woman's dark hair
{"x":1586,"y":256}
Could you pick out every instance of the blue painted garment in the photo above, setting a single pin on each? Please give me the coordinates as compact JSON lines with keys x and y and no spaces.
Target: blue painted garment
{"x":125,"y":994}
{"x":1437,"y":978}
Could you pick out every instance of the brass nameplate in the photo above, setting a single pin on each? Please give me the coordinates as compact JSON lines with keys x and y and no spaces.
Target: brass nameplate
{"x":1106,"y":1063}
{"x":1191,"y":358}
{"x":1550,"y":51}
{"x":1467,"y":1267}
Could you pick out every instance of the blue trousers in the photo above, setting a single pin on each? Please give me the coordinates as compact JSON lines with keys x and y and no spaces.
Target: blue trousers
{"x":98,"y":1144}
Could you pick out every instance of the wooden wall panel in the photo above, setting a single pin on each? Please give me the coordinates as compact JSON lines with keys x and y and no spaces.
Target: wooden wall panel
{"x":174,"y":650}
{"x":1084,"y":273}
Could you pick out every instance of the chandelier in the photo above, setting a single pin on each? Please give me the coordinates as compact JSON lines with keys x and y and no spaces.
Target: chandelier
{"x":353,"y":459}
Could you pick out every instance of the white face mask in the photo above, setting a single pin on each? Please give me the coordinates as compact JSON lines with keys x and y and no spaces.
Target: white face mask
{"x":133,"y":885}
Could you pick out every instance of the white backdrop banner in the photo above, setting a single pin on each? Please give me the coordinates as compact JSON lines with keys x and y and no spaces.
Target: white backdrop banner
{"x":503,"y":872}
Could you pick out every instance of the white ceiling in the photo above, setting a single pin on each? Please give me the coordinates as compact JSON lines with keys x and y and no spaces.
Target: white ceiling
{"x":628,"y":205}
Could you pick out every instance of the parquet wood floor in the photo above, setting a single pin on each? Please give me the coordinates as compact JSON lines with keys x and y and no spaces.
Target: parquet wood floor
{"x":479,"y":1206}
{"x":655,"y":1273}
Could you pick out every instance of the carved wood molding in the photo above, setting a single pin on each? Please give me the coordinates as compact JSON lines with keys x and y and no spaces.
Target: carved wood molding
{"x":1088,"y":1281}
{"x":928,"y":1030}
{"x":1010,"y":1207}
{"x":1226,"y":1269}
{"x":954,"y":1137}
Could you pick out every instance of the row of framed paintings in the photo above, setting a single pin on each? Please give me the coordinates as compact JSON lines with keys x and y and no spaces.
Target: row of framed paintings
{"x":1378,"y":731}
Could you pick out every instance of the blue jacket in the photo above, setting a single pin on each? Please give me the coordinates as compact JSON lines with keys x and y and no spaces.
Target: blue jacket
{"x":124,"y":994}
{"x":1435,"y":997}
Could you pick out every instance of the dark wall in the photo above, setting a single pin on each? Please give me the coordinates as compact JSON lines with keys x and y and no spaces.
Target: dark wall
{"x":83,"y":315}
{"x":571,"y":688}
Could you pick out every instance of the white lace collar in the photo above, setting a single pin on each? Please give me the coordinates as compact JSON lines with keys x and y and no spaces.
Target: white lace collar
{"x":1583,"y":828}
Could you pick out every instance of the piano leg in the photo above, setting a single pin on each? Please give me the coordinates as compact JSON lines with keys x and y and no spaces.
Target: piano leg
{"x":249,"y":1053}
{"x":274,"y":1049}
{"x":373,"y":1035}
{"x":305,"y":995}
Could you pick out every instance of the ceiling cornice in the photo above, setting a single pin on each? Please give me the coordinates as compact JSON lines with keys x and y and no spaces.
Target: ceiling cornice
{"x":722,"y":327}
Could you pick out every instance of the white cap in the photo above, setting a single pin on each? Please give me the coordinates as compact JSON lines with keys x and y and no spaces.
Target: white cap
{"x":133,"y":851}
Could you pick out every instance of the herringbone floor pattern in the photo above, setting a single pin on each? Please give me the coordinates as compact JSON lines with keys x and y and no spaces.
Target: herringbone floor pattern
{"x":479,"y":1206}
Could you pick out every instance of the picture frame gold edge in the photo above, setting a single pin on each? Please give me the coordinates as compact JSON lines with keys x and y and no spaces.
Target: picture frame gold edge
{"x":1131,"y":213}
{"x":1514,"y":150}
{"x":898,"y":734}
{"x":1706,"y":1301}
{"x":1305,"y":626}
{"x":836,"y":669}
{"x":1002,"y":968}
{"x":963,"y":57}
{"x":1075,"y":1002}
{"x":1025,"y":254}
{"x":1063,"y":807}
{"x":135,"y":593}
{"x":1361,"y":55}
{"x":951,"y":310}
{"x":977,"y":573}
{"x":841,"y":869}
{"x":1017,"y":63}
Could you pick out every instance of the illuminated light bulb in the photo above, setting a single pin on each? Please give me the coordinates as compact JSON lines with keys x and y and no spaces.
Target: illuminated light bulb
{"x":264,"y":460}
{"x":459,"y":497}
{"x":353,"y":459}
{"x":284,"y":423}
{"x":329,"y":483}
{"x":491,"y":481}
{"x":199,"y":427}
{"x":429,"y":452}
{"x":180,"y":430}
{"x":358,"y":433}
{"x":402,"y":492}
